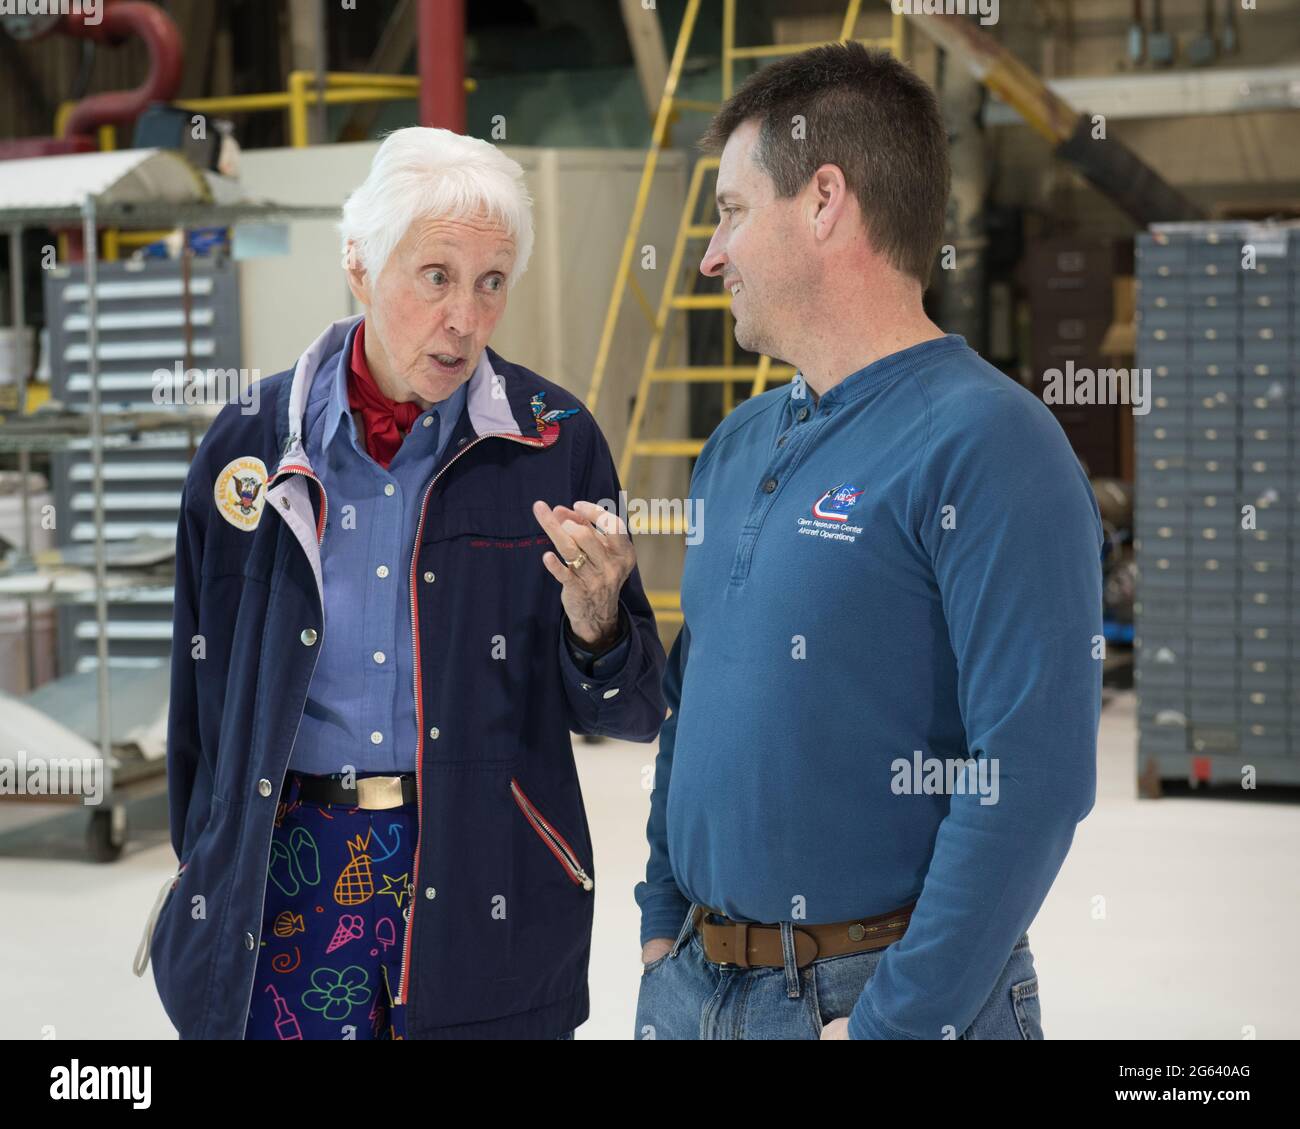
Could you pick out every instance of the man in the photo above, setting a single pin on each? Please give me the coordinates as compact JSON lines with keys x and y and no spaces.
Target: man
{"x":373,"y":795}
{"x":903,"y":568}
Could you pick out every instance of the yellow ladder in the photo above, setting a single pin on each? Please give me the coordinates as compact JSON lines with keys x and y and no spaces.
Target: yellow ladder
{"x":692,"y":228}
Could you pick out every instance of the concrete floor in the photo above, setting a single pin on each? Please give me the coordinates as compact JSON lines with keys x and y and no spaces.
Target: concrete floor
{"x":1197,"y":939}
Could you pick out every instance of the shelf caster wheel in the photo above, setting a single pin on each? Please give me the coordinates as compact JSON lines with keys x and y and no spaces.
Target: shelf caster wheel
{"x":106,"y":834}
{"x":1149,"y":783}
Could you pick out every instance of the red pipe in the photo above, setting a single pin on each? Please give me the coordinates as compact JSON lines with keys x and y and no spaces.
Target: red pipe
{"x":441,"y":33}
{"x":119,"y":21}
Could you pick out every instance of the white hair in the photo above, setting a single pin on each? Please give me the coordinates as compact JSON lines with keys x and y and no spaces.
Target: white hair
{"x":424,"y":173}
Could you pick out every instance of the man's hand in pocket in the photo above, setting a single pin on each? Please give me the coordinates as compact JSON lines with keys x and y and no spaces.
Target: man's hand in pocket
{"x":654,"y":948}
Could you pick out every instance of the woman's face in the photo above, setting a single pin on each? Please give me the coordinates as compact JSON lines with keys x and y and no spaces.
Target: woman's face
{"x":433,"y":307}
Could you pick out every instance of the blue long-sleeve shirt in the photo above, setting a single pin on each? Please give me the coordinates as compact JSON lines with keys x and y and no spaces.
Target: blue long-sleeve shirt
{"x":908,"y":568}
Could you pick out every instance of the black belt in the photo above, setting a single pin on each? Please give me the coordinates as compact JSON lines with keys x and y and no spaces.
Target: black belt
{"x":370,"y":792}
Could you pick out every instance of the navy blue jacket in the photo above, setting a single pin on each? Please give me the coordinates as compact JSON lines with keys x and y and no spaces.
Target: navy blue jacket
{"x":499,"y":934}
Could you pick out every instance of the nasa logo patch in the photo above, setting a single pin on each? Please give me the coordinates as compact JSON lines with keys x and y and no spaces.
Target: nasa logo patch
{"x":239,"y":492}
{"x":831,"y":514}
{"x":835,"y":504}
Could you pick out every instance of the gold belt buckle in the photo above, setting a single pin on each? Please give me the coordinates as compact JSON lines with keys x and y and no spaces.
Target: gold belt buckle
{"x":379,"y":792}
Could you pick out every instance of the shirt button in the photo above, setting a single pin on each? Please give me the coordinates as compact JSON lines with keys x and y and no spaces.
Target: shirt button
{"x":781,"y":442}
{"x":376,"y":737}
{"x":801,"y":414}
{"x":586,"y":685}
{"x":769,"y":486}
{"x":430,"y":893}
{"x":428,"y":421}
{"x":610,"y":693}
{"x":308,"y":636}
{"x":264,"y":787}
{"x":428,"y":578}
{"x":248,"y":941}
{"x":390,"y":489}
{"x":381,"y":571}
{"x":379,"y":656}
{"x":435,"y":732}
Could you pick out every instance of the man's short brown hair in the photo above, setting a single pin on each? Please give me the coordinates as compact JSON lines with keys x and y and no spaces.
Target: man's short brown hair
{"x":870,"y":115}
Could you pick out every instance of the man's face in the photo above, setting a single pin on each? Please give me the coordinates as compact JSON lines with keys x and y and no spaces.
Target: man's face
{"x":437,"y":300}
{"x":758,"y":249}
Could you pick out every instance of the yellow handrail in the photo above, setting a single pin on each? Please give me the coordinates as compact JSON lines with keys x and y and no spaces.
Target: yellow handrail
{"x":342,"y":88}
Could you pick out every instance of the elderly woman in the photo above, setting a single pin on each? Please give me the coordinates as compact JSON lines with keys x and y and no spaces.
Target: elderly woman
{"x":377,"y":661}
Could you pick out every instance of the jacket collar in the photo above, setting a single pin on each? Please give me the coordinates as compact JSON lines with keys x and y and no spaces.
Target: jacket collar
{"x":496,"y":402}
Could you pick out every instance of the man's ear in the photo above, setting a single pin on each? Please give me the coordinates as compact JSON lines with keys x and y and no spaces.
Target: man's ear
{"x":830,"y":194}
{"x":358,"y":279}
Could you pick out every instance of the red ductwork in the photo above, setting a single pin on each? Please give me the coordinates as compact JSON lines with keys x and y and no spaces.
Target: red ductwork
{"x":441,"y":33}
{"x":120,"y":21}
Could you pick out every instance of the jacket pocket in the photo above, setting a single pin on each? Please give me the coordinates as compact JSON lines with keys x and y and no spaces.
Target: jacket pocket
{"x":184,"y":940}
{"x":485,"y":527}
{"x":555,"y":842}
{"x":483,"y":595}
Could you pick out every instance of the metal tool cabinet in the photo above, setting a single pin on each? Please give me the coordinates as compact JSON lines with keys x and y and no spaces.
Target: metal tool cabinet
{"x":103,"y":333}
{"x":1218,"y":504}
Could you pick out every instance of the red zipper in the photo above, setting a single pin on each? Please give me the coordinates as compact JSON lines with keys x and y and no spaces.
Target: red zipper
{"x":294,"y":468}
{"x":552,"y":838}
{"x":402,"y":985}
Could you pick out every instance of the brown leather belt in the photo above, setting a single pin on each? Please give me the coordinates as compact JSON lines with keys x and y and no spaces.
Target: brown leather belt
{"x":759,"y":946}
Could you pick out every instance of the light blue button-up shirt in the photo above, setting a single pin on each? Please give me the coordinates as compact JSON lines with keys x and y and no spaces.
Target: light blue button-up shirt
{"x":360,"y":708}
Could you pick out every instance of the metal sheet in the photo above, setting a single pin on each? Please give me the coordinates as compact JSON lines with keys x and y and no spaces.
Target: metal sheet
{"x":139,"y":698}
{"x":121,"y":177}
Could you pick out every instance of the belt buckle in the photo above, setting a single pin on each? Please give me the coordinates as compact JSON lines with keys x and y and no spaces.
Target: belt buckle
{"x":379,"y":792}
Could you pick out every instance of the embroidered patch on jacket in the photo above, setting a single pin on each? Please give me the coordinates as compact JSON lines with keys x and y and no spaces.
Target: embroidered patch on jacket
{"x":548,"y":419}
{"x":240,"y":492}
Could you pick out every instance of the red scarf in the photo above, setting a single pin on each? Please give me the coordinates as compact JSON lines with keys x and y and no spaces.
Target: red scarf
{"x":381,"y":416}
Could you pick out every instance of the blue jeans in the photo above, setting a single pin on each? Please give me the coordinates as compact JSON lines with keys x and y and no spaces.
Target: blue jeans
{"x":684,"y":995}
